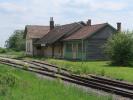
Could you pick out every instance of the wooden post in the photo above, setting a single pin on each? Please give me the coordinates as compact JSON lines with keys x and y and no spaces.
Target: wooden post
{"x":53,"y":51}
{"x":62,"y":50}
{"x":85,"y":50}
{"x":72,"y":51}
{"x":33,"y":49}
{"x":82,"y":49}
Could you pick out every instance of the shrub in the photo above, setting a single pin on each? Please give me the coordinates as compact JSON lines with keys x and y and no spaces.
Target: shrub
{"x":84,"y":70}
{"x":119,"y":48}
{"x":2,"y":50}
{"x":8,"y":80}
{"x":26,"y":66}
{"x":3,"y":90}
{"x":102,"y":72}
{"x":78,"y":71}
{"x":59,"y":70}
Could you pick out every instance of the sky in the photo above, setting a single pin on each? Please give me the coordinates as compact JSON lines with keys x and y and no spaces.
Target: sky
{"x":15,"y":14}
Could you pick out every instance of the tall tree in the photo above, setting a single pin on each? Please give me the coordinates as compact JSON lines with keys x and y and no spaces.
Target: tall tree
{"x":16,"y":41}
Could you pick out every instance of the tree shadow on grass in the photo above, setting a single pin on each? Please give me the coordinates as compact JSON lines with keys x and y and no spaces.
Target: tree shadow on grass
{"x":109,"y":64}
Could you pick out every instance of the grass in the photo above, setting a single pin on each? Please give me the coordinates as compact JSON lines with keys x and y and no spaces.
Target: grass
{"x":29,"y":87}
{"x":101,"y":68}
{"x":11,"y":53}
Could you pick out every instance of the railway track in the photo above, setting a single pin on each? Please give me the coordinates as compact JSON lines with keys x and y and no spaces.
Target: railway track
{"x":93,"y":77}
{"x":107,"y":85}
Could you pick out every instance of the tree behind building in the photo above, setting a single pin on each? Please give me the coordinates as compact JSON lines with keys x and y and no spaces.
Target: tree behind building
{"x":16,"y":41}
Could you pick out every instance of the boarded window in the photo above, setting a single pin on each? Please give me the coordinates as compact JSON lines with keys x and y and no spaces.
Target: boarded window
{"x":68,"y":47}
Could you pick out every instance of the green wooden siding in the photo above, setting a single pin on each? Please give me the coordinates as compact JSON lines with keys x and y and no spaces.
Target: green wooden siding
{"x":68,"y":50}
{"x":68,"y":53}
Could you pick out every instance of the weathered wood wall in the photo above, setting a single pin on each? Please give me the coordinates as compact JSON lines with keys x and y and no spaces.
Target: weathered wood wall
{"x":95,"y":50}
{"x":29,"y":47}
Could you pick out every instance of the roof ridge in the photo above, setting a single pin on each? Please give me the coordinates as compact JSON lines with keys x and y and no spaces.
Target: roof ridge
{"x":65,"y":24}
{"x":38,"y":25}
{"x":68,"y":24}
{"x":99,"y":24}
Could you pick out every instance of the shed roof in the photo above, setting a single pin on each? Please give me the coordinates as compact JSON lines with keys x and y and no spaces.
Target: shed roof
{"x":36,"y":31}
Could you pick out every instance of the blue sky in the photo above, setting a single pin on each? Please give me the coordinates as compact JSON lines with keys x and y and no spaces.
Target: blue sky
{"x":15,"y":14}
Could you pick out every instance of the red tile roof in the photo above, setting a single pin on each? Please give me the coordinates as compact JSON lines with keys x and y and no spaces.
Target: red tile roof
{"x":36,"y":31}
{"x":86,"y":31}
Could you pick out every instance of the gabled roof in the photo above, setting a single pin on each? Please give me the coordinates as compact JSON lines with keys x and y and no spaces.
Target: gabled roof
{"x":59,"y":32}
{"x":86,"y":31}
{"x":36,"y":31}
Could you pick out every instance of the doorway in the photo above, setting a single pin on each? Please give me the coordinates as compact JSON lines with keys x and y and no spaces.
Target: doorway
{"x":75,"y":51}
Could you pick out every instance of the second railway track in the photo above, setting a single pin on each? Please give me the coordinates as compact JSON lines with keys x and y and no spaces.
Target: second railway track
{"x":107,"y":85}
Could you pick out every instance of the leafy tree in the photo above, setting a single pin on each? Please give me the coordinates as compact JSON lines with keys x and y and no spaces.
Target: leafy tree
{"x":16,"y":41}
{"x":119,"y":48}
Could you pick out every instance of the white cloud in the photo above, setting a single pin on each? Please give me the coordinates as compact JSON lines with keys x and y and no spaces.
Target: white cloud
{"x":11,"y":7}
{"x":108,"y":5}
{"x":100,"y":4}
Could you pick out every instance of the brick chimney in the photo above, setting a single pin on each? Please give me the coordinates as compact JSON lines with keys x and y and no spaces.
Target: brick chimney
{"x":51,"y":23}
{"x":119,"y":26}
{"x":89,"y":22}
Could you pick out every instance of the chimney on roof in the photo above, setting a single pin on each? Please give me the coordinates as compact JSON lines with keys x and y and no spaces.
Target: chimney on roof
{"x":119,"y":26}
{"x":89,"y":22}
{"x":51,"y":23}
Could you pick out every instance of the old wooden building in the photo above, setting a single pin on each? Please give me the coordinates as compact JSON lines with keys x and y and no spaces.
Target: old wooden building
{"x":77,"y":40}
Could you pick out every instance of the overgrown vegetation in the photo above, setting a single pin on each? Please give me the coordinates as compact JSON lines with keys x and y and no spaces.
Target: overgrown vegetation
{"x":16,"y":41}
{"x":4,"y":52}
{"x":7,"y":81}
{"x":102,"y":68}
{"x":22,"y":85}
{"x":119,"y":49}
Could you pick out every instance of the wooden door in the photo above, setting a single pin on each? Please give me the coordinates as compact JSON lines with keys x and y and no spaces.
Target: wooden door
{"x":75,"y":51}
